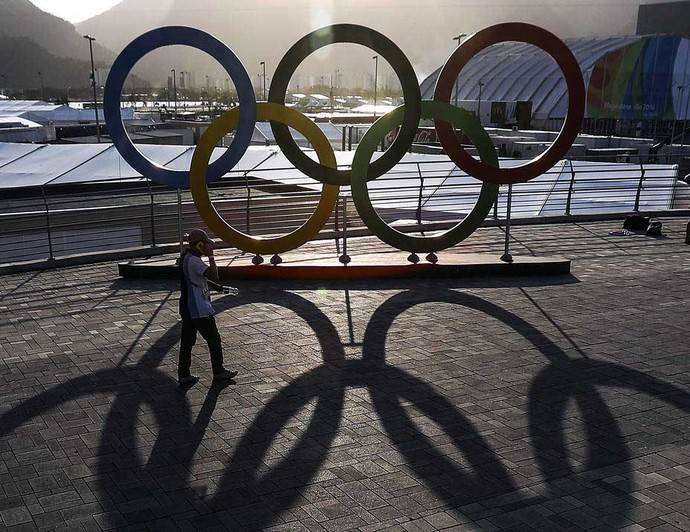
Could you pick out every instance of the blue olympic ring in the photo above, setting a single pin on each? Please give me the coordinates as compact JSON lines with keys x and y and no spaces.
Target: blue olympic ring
{"x":168,"y":36}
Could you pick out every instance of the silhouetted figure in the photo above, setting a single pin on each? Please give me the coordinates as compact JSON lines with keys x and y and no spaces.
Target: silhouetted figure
{"x":196,"y":309}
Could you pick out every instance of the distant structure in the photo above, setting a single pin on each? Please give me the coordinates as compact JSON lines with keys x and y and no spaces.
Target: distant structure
{"x":13,"y":129}
{"x":669,"y":17}
{"x":49,"y":113}
{"x":38,"y":121}
{"x":636,"y":85}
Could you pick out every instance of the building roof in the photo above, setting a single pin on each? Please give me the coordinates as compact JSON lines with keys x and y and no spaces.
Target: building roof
{"x":625,"y":76}
{"x":263,"y":133}
{"x":44,"y":112}
{"x":18,"y":107}
{"x":7,"y":122}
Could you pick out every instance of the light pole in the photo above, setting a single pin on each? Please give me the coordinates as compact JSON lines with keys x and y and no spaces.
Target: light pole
{"x":376,"y":79}
{"x":331,"y":94}
{"x":184,"y":85}
{"x":93,"y":86}
{"x":263,"y":66}
{"x":459,"y":38}
{"x":208,"y":94}
{"x":174,"y":73}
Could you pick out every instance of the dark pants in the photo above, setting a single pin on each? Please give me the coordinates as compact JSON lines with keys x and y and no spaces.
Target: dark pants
{"x":209,"y":331}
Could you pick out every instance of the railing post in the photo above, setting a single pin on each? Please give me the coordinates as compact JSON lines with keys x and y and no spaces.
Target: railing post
{"x":349,"y":141}
{"x":152,"y":213}
{"x":345,"y":258}
{"x":507,"y":257}
{"x":179,"y":220}
{"x":570,"y":189}
{"x":248,"y":211}
{"x":344,"y":140}
{"x":639,"y":188}
{"x":337,"y":226}
{"x":51,"y":256}
{"x":421,"y":189}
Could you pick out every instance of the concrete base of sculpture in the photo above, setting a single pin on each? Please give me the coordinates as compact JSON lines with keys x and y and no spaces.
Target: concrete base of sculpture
{"x":373,"y":266}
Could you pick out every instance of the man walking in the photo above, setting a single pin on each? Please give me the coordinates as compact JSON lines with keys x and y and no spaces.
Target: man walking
{"x":196,"y":309}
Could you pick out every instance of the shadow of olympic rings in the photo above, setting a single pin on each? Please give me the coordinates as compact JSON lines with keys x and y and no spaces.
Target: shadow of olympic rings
{"x":245,"y":480}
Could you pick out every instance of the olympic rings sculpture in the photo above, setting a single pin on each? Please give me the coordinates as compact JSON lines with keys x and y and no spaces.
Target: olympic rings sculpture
{"x":447,"y":119}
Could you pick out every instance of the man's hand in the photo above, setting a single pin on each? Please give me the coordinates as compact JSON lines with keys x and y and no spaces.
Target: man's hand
{"x":209,"y":250}
{"x":212,"y":268}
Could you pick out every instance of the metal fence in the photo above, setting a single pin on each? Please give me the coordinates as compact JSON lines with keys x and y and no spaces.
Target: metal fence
{"x":139,"y":218}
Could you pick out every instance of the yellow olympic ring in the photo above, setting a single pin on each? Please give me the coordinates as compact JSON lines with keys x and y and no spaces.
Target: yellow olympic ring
{"x":202,"y":155}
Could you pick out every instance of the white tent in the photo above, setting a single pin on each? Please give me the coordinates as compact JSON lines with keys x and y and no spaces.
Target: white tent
{"x":48,"y":113}
{"x":263,"y":134}
{"x":596,"y":187}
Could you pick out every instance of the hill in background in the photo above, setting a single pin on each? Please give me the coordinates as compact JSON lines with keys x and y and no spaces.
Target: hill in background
{"x":263,"y":30}
{"x":32,"y":41}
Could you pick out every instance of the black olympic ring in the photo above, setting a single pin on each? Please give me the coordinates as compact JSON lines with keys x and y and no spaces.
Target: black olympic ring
{"x":347,"y":33}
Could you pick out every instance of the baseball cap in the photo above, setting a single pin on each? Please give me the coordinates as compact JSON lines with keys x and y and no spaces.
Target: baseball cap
{"x":198,"y":235}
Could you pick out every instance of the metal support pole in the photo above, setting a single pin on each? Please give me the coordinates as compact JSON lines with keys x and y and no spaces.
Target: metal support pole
{"x":507,"y":257}
{"x":337,"y":226}
{"x":345,"y":225}
{"x":153,"y":216}
{"x":48,"y":230}
{"x":349,"y":142}
{"x":93,"y":85}
{"x":345,"y":258}
{"x":248,"y":211}
{"x":570,"y":189}
{"x":179,"y":219}
{"x":174,"y":73}
{"x":344,"y":140}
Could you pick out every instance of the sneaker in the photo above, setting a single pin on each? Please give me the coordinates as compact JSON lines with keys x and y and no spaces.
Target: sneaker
{"x":188,"y":380}
{"x":225,"y":375}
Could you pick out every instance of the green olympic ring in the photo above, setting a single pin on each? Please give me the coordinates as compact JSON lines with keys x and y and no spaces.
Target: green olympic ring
{"x":459,"y":118}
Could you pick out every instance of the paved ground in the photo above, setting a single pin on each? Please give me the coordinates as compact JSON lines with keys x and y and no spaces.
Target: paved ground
{"x":548,"y":404}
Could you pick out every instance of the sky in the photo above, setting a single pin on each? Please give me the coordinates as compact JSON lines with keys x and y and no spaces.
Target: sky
{"x":79,"y":10}
{"x":75,"y":10}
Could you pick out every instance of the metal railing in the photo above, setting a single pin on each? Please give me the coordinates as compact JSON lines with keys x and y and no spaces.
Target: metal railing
{"x":140,"y":218}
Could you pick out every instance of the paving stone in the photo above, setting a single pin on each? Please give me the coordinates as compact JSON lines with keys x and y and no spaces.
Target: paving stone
{"x":485,"y":404}
{"x":15,"y":516}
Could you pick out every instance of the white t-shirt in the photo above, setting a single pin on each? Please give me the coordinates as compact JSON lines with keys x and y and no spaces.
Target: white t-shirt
{"x":198,"y":294}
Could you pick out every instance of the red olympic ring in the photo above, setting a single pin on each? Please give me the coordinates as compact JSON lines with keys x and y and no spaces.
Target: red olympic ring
{"x":559,"y":51}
